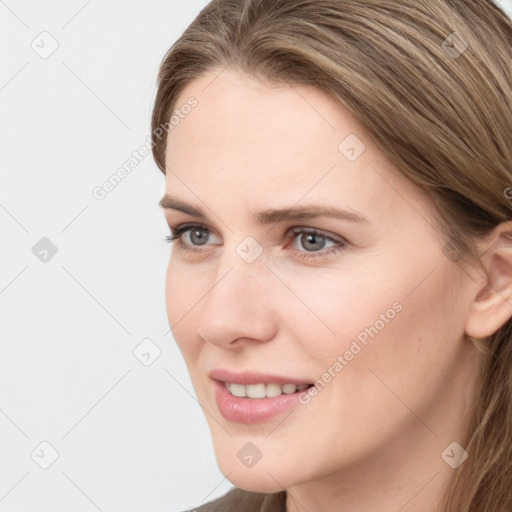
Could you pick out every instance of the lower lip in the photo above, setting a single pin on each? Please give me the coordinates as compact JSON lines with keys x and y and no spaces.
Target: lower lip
{"x":252,"y":410}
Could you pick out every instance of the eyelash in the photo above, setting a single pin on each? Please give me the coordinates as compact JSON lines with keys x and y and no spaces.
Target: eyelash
{"x":177,"y":231}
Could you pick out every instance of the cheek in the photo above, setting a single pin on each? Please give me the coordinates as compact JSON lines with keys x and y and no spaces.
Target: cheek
{"x":183,"y":292}
{"x":337,"y":306}
{"x":184,"y":288}
{"x":174,"y":292}
{"x":380,"y":319}
{"x":409,"y":358}
{"x":387,"y":368}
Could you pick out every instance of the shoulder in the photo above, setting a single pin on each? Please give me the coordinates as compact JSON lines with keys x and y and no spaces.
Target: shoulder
{"x":237,"y":499}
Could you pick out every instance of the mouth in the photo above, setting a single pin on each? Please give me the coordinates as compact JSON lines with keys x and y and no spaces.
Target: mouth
{"x":254,"y":397}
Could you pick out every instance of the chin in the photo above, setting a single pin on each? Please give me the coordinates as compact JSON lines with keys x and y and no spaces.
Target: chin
{"x":266,"y":476}
{"x":260,"y":481}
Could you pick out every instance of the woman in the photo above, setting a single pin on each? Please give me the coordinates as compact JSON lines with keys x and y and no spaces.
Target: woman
{"x":338,"y":188}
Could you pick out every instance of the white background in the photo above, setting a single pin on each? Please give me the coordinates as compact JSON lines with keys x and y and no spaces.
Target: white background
{"x":129,"y":437}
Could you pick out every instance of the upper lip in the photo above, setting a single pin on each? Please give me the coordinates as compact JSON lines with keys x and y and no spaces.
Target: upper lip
{"x":248,"y":377}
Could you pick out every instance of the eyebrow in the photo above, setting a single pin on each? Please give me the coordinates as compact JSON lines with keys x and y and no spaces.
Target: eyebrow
{"x":270,"y":216}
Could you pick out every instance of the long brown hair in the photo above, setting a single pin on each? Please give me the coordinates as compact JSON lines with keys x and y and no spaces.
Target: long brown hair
{"x":431,"y":82}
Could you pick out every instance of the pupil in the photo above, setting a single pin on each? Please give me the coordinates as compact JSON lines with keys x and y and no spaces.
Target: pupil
{"x":201,"y":236}
{"x":311,"y":239}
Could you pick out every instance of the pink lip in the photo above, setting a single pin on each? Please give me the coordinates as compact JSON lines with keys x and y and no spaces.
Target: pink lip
{"x":252,"y":410}
{"x":248,"y":377}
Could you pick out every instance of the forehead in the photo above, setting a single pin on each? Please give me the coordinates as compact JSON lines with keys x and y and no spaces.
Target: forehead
{"x":272,"y":142}
{"x":241,"y":115}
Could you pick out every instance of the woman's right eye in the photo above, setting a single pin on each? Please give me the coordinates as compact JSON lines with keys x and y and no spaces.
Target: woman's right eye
{"x":198,"y":235}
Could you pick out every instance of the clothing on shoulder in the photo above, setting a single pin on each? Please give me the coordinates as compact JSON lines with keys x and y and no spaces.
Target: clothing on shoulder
{"x":240,"y":500}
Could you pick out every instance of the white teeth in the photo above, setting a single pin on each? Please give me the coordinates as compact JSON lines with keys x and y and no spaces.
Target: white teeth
{"x":237,"y":390}
{"x":263,"y":390}
{"x":289,"y":388}
{"x":273,"y":390}
{"x":255,"y":390}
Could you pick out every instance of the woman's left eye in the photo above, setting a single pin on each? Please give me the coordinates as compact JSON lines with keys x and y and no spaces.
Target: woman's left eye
{"x":311,"y":240}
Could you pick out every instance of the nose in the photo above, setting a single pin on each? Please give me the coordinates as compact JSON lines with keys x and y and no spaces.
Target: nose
{"x":238,"y":309}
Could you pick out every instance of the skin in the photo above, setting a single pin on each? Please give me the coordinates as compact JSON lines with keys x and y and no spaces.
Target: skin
{"x":372,"y":438}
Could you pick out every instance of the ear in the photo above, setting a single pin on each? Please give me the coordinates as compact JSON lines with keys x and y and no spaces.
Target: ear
{"x":492,"y":305}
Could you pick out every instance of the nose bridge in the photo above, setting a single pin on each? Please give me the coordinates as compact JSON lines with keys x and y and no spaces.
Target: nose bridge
{"x":242,"y":271}
{"x":238,"y":303}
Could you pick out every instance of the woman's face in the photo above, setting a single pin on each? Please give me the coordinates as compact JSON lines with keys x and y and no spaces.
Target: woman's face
{"x":371,"y":308}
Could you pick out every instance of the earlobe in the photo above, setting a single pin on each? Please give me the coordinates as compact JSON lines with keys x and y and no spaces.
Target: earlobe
{"x":492,"y":305}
